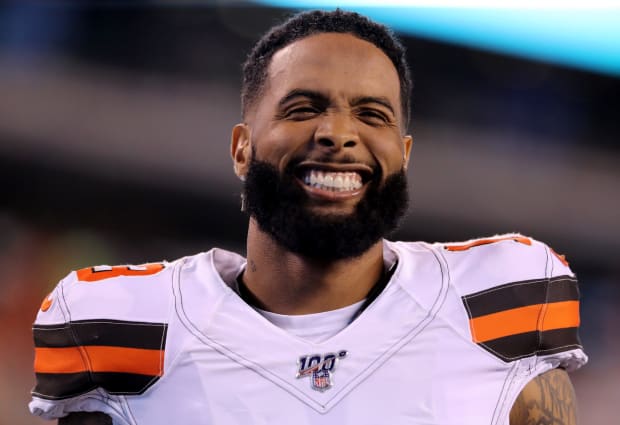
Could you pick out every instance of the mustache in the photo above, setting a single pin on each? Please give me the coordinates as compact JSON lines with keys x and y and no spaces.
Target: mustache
{"x":330,"y":159}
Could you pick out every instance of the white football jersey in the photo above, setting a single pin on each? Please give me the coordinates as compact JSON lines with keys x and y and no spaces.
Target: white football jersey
{"x":454,"y":337}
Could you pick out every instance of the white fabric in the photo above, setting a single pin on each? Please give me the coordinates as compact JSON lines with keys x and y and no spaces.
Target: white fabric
{"x":410,"y":356}
{"x":315,"y":327}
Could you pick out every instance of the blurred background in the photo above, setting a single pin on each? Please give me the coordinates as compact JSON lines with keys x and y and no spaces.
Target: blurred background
{"x":115,"y":123}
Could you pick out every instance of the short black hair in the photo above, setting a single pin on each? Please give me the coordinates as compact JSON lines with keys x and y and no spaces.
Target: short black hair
{"x":304,"y":24}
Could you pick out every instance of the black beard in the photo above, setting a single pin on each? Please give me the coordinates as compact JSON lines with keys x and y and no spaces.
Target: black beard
{"x":277,"y":203}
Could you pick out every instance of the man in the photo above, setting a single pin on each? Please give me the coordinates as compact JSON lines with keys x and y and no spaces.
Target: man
{"x":325,"y":322}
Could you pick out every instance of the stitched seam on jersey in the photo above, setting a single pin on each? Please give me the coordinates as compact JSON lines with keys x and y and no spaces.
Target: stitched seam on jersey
{"x":458,"y":332}
{"x":107,"y":399}
{"x":99,"y":396}
{"x":543,"y":312}
{"x":524,"y":282}
{"x":198,"y":334}
{"x":177,"y":265}
{"x":501,"y":400}
{"x":177,"y":269}
{"x":535,"y":353}
{"x":549,"y":281}
{"x":128,"y":410}
{"x":417,"y":329}
{"x":189,"y":325}
{"x":69,"y":325}
{"x":471,"y":328}
{"x":161,"y":354}
{"x":64,"y":308}
{"x":355,"y":381}
{"x":81,"y":349}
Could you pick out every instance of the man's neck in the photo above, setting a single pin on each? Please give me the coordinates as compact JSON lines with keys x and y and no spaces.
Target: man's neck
{"x":286,"y":283}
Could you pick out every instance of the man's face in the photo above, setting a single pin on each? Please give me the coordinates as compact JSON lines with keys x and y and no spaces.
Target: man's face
{"x":328,"y":127}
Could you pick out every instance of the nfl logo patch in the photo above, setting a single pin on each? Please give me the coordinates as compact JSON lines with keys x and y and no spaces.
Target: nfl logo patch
{"x":321,"y":380}
{"x":319,"y":368}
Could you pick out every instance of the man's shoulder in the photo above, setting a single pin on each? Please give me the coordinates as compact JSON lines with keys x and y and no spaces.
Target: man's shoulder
{"x":136,"y":292}
{"x":480,"y":264}
{"x":514,"y":296}
{"x":483,"y":263}
{"x":105,"y":326}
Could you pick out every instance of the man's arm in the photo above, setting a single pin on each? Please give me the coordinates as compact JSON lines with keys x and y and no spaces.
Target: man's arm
{"x":549,"y":399}
{"x":86,"y":418}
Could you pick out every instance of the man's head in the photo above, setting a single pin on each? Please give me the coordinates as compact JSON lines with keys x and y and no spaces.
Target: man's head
{"x":305,"y":24}
{"x":322,"y":147}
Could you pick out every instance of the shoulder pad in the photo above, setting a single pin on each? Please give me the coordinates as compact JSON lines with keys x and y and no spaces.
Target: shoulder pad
{"x":104,"y":327}
{"x":521,"y":297}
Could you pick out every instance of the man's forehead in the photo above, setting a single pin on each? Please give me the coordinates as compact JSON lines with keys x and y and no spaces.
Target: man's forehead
{"x":333,"y":59}
{"x":325,"y":47}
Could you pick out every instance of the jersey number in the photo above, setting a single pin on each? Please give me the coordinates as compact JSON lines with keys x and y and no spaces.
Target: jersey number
{"x":93,"y":274}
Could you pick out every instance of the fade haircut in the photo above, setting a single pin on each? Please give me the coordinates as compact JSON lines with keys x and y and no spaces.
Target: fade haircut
{"x":302,"y":25}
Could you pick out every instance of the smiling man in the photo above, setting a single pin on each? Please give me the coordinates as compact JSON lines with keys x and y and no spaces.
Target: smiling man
{"x":325,"y":322}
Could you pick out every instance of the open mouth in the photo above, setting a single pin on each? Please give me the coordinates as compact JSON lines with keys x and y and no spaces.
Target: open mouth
{"x":344,"y":178}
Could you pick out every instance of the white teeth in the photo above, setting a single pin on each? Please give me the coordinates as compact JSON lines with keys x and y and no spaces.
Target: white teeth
{"x":334,"y":181}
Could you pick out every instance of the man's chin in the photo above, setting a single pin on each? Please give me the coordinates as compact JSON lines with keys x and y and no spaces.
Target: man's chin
{"x":332,"y":212}
{"x":322,"y":228}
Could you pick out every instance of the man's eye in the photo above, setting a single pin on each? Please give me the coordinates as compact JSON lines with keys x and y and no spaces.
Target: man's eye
{"x":301,"y":113}
{"x":373,"y":116}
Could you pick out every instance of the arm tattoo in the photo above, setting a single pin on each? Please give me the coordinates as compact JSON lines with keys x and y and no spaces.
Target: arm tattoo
{"x":549,"y":399}
{"x":86,"y":418}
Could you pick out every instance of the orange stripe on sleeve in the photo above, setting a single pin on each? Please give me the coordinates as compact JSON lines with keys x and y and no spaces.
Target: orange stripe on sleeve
{"x":561,"y":315}
{"x":102,"y":359}
{"x":58,"y":360}
{"x":558,"y":315}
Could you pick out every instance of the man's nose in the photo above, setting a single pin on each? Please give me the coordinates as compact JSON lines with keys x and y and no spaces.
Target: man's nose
{"x":336,"y":131}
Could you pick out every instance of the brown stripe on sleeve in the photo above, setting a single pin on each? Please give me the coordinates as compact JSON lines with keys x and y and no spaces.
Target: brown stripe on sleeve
{"x":557,"y":340}
{"x":53,"y":335}
{"x":517,"y":346}
{"x":521,"y":294}
{"x":120,"y":333}
{"x":524,"y":318}
{"x":101,"y":332}
{"x":55,"y":386}
{"x":74,"y":358}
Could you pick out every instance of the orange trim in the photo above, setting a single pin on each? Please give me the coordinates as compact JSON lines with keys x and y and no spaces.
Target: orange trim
{"x":564,"y":314}
{"x":47,"y":303}
{"x":560,"y":257}
{"x":465,"y":247}
{"x":102,"y":359}
{"x":91,"y":274}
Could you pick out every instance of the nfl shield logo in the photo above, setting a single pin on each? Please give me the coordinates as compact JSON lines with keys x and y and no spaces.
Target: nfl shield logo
{"x":319,"y":368}
{"x":321,"y":380}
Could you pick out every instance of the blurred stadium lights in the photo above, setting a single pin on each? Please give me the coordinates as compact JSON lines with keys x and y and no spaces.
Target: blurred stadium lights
{"x":579,"y":34}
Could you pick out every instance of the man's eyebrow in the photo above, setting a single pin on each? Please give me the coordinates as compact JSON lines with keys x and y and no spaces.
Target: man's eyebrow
{"x":309,"y":94}
{"x":373,"y":99}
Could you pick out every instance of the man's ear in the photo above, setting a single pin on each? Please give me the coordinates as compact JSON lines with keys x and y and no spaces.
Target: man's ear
{"x":240,"y":149}
{"x":407,"y":144}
